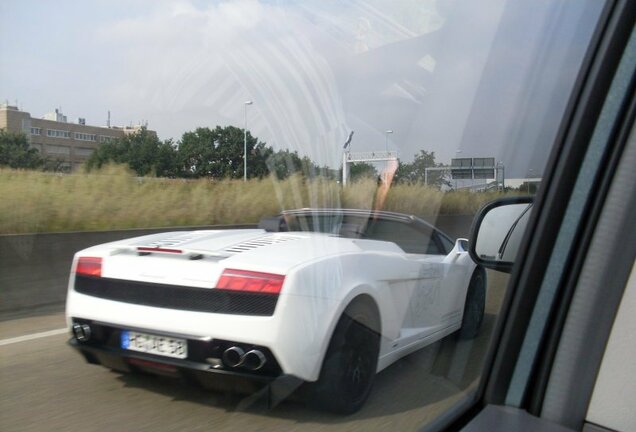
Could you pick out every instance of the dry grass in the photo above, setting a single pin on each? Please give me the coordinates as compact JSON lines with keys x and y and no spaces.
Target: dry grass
{"x":114,"y":198}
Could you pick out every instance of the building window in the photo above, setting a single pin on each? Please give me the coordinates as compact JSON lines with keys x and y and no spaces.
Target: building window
{"x":36,"y":131}
{"x":58,"y":150}
{"x":85,"y":137}
{"x":85,"y":152}
{"x":105,"y":138}
{"x":56,"y":133}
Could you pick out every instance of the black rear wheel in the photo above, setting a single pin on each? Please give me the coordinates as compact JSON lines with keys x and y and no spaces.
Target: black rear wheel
{"x":349,"y":368}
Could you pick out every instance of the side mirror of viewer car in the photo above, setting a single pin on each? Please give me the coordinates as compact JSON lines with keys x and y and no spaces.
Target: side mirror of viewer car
{"x":497,"y":231}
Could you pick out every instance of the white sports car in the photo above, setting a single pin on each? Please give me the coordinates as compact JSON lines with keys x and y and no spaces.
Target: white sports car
{"x":328,"y":297}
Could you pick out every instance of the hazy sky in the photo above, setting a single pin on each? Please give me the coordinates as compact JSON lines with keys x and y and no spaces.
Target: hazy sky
{"x":480,"y":78}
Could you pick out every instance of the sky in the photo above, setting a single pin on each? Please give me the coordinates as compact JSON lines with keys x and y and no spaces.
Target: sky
{"x":487,"y":79}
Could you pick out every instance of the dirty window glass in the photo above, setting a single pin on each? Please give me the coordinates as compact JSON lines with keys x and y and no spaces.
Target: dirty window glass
{"x":141,"y":143}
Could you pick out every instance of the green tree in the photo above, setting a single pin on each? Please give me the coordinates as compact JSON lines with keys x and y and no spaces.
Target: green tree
{"x":360,"y":170}
{"x":16,"y":153}
{"x":196,"y":153}
{"x":283,"y":163}
{"x":218,"y":153}
{"x":310,"y":169}
{"x":142,"y":151}
{"x":56,"y":165}
{"x":528,"y":188}
{"x":415,"y":172}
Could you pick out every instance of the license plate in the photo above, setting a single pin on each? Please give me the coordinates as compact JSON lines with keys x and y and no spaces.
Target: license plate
{"x":154,"y":344}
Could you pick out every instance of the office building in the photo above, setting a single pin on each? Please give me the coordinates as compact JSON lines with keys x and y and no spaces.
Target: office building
{"x":67,"y":144}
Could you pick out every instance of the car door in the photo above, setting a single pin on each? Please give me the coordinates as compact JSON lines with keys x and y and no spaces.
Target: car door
{"x":417,"y":294}
{"x":452,"y":275}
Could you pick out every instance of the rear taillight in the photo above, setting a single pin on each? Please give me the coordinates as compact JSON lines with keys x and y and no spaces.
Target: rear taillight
{"x":249,"y":281}
{"x":89,"y":266}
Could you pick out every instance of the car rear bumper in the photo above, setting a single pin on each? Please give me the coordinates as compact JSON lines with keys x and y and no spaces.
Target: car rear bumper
{"x":296,"y":334}
{"x":103,"y":346}
{"x":265,"y":390}
{"x":127,"y":361}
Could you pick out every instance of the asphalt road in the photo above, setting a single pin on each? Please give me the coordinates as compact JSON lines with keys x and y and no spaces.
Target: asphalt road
{"x":46,"y":386}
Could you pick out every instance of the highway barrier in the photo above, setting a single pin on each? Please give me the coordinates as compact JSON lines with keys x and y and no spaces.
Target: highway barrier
{"x":34,"y":268}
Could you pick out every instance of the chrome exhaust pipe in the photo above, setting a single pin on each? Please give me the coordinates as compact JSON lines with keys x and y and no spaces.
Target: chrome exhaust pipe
{"x":254,"y":360}
{"x":82,"y":332}
{"x":233,"y":356}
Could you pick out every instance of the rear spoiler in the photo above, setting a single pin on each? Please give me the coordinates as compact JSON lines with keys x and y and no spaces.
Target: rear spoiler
{"x":192,"y":254}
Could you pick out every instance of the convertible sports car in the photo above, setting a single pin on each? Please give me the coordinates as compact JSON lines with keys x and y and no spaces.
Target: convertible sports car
{"x":327,"y":297}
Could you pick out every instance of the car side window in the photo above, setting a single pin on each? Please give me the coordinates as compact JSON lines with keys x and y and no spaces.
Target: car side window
{"x":446,"y":244}
{"x":407,"y":237}
{"x":435,"y":246}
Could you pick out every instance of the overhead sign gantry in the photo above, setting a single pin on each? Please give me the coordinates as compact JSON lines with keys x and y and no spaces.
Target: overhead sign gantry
{"x":372,"y":156}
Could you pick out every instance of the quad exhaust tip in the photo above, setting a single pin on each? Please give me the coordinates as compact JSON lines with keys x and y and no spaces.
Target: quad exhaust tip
{"x":254,"y":360}
{"x":82,"y":332}
{"x":235,"y":356}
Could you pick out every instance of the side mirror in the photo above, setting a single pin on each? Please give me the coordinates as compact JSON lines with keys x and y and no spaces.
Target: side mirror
{"x":461,"y":245}
{"x":497,"y":231}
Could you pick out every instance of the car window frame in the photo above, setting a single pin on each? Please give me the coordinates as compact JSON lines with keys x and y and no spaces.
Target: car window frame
{"x":578,"y":123}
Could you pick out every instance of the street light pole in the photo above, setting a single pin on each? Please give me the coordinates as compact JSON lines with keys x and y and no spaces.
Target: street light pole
{"x":387,"y":132}
{"x":457,"y":153}
{"x":386,"y":145}
{"x":249,"y":102}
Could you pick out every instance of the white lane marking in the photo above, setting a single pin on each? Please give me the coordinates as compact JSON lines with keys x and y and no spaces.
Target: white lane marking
{"x":33,"y":336}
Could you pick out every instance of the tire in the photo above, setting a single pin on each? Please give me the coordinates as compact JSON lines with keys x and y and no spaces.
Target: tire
{"x":348,"y":370}
{"x":474,"y":306}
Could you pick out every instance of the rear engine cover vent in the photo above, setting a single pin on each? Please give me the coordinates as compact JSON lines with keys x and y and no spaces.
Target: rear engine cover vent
{"x":177,"y":239}
{"x":260,"y":242}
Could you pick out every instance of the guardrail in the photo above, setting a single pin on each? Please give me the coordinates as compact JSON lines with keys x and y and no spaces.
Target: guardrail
{"x":34,"y":268}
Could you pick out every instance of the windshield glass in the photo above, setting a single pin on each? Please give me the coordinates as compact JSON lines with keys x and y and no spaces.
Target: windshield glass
{"x":159,"y":134}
